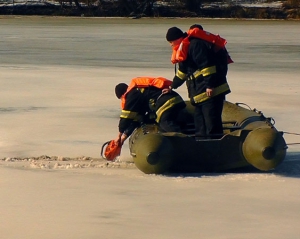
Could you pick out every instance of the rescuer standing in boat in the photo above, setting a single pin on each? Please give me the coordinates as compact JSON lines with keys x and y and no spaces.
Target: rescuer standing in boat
{"x":143,"y":96}
{"x":197,"y":55}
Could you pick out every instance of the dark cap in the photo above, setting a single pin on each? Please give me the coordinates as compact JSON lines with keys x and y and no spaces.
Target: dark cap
{"x":174,"y":33}
{"x":120,"y":89}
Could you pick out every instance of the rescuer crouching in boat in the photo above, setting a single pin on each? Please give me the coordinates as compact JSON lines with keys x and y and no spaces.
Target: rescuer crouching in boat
{"x":143,"y":101}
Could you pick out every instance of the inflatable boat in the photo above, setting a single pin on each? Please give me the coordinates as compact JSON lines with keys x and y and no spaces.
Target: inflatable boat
{"x":249,"y":139}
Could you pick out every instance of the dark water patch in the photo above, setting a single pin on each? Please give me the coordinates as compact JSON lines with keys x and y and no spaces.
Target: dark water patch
{"x":290,"y":167}
{"x":264,"y":57}
{"x":74,"y":142}
{"x":109,"y":113}
{"x":291,"y":49}
{"x":20,"y":109}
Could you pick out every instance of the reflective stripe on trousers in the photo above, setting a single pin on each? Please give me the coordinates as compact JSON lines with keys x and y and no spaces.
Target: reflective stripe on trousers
{"x":167,"y":105}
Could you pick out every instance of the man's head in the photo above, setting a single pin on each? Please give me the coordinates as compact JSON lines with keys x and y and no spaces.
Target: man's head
{"x":120,"y":89}
{"x":173,"y":34}
{"x":196,"y":26}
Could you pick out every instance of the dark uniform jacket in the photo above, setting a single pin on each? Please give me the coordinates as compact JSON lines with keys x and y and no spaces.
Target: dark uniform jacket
{"x":140,"y":102}
{"x":202,"y":69}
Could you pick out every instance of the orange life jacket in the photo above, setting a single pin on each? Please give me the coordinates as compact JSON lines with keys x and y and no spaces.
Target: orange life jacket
{"x":180,"y":51}
{"x":144,"y":82}
{"x":112,"y":150}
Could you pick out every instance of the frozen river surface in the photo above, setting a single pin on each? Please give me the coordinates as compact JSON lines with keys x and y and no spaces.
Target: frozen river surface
{"x":57,"y":80}
{"x":58,"y":75}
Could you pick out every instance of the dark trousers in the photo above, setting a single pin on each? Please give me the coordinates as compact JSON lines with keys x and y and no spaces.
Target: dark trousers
{"x":208,"y":118}
{"x":168,"y":121}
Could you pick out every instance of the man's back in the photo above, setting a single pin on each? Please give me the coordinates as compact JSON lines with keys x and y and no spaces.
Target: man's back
{"x":137,"y":99}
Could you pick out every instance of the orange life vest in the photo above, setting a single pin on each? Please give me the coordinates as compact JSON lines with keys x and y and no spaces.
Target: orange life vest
{"x":180,"y":51}
{"x":144,"y":82}
{"x":112,"y":150}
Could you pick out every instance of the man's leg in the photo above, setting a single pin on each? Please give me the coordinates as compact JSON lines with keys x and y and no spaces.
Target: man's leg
{"x":170,"y":106}
{"x":213,"y":117}
{"x":168,"y":121}
{"x":200,"y":127}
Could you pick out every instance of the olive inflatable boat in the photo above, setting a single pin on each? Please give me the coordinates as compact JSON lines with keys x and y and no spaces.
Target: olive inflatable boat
{"x":250,"y":139}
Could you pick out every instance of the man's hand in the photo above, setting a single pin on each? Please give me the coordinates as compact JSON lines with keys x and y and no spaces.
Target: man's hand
{"x":209,"y":92}
{"x":123,"y":138}
{"x":167,"y":90}
{"x":118,"y":139}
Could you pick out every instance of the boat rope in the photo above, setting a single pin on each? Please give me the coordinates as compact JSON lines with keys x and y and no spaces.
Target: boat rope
{"x":103,"y":149}
{"x":292,"y":134}
{"x":240,"y":103}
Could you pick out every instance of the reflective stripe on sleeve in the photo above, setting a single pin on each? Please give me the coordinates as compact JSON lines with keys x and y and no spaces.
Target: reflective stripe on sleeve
{"x":205,"y":72}
{"x":125,"y":114}
{"x":181,"y":75}
{"x":217,"y":91}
